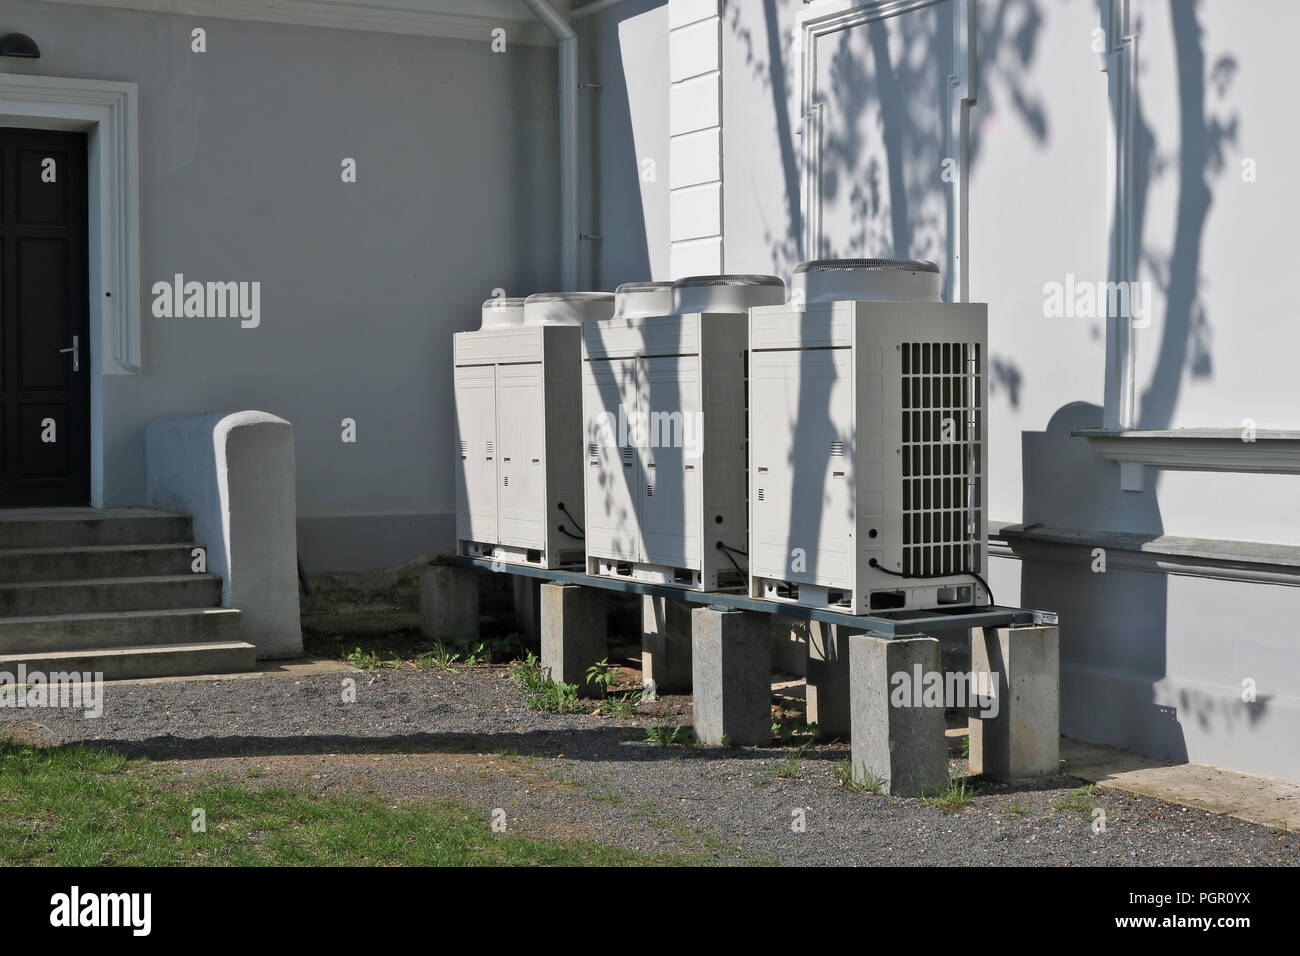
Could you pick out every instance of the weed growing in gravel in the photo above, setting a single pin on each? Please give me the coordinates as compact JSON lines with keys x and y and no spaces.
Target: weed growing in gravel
{"x":602,"y":675}
{"x":540,"y":691}
{"x":668,"y":735}
{"x":1016,"y":808}
{"x":788,"y":768}
{"x":366,"y":660}
{"x":790,"y":729}
{"x":624,"y":706}
{"x":1082,"y":801}
{"x":870,"y":783}
{"x":953,"y":797}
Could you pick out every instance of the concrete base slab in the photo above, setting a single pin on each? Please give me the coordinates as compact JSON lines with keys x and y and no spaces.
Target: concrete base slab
{"x":731,"y":664}
{"x":665,"y":645}
{"x":828,"y":677}
{"x":1021,"y":738}
{"x":449,"y":603}
{"x":1261,"y":800}
{"x":575,"y":634}
{"x":897,"y":740}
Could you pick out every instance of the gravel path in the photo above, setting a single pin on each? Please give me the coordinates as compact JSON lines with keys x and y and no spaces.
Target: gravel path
{"x":414,"y":736}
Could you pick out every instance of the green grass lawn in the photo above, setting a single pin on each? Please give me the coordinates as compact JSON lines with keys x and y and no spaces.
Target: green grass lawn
{"x":73,"y":806}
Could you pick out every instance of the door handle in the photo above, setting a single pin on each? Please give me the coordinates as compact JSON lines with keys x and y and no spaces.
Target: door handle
{"x":75,"y":349}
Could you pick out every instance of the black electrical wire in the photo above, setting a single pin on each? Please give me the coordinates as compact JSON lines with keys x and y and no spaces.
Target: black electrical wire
{"x":581,"y":529}
{"x":576,"y":537}
{"x":733,"y":550}
{"x":926,"y":577}
{"x":727,"y":551}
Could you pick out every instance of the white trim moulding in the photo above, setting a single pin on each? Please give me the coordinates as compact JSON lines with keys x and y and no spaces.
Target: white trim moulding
{"x":1195,"y":449}
{"x":108,"y":113}
{"x":340,"y":15}
{"x":1248,"y":561}
{"x":823,"y":18}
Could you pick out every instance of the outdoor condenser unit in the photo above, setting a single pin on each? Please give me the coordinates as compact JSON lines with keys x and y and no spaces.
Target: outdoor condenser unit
{"x":867,"y":397}
{"x":663,"y":393}
{"x":519,"y":429}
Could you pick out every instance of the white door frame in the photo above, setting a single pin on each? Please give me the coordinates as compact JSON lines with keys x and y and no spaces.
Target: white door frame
{"x":107,"y":113}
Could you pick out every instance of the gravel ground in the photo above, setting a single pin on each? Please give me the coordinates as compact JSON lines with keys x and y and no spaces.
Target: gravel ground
{"x":414,"y":736}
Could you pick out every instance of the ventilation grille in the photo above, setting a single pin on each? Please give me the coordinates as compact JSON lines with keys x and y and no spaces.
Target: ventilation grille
{"x":942,"y":438}
{"x":464,"y":449}
{"x":489,"y":448}
{"x":592,"y":450}
{"x":837,"y":449}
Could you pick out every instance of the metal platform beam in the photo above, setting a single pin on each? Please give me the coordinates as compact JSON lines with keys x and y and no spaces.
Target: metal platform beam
{"x":885,"y":624}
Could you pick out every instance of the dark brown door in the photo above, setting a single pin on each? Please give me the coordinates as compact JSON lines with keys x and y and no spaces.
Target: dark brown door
{"x":44,"y":319}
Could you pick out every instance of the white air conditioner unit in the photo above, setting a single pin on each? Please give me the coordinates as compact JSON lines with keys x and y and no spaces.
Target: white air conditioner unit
{"x":519,"y":429}
{"x":867,"y":441}
{"x":663,"y":393}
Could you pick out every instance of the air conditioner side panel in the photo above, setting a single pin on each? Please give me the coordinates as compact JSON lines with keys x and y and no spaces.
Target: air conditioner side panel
{"x":474,"y":391}
{"x":611,"y":465}
{"x":521,"y":489}
{"x":803,"y":507}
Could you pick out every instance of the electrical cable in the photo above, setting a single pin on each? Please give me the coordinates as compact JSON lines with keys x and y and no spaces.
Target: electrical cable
{"x":727,"y":551}
{"x":576,"y":537}
{"x":925,"y":577}
{"x":581,"y":529}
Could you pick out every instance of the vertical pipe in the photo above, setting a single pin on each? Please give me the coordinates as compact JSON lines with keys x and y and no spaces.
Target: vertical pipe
{"x":568,"y":91}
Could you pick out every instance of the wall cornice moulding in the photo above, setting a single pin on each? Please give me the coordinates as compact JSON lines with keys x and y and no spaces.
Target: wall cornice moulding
{"x":413,"y":20}
{"x":1247,"y":561}
{"x":1199,"y":449}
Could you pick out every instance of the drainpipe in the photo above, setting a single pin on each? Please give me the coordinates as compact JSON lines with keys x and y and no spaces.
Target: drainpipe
{"x":568,"y":42}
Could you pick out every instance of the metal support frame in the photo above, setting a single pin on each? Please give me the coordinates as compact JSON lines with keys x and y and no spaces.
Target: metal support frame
{"x":886,"y":624}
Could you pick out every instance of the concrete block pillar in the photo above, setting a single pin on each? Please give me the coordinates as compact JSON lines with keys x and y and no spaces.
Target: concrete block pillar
{"x":731,"y":666}
{"x":574,"y":633}
{"x":827,"y":682}
{"x":666,"y":645}
{"x":789,"y":644}
{"x":896,"y":738}
{"x":448,"y":603}
{"x":1020,"y":737}
{"x":528,"y":607}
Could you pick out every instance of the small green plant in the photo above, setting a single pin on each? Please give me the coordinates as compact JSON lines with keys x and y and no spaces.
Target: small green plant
{"x":788,"y":768}
{"x":366,"y":660}
{"x":965,"y":746}
{"x":793,"y":730}
{"x":1082,"y":801}
{"x":870,"y":783}
{"x":439,"y":657}
{"x":542,"y":693}
{"x":1016,"y":808}
{"x":624,"y":706}
{"x":602,"y":675}
{"x":670,"y":735}
{"x":952,"y":797}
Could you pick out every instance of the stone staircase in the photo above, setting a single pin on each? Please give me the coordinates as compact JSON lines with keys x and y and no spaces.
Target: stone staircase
{"x":111,"y":591}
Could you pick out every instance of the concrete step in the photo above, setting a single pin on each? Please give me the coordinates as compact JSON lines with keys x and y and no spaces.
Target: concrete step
{"x":70,"y":632}
{"x":80,"y":562}
{"x":72,"y":527}
{"x":153,"y":593}
{"x":158,"y":660}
